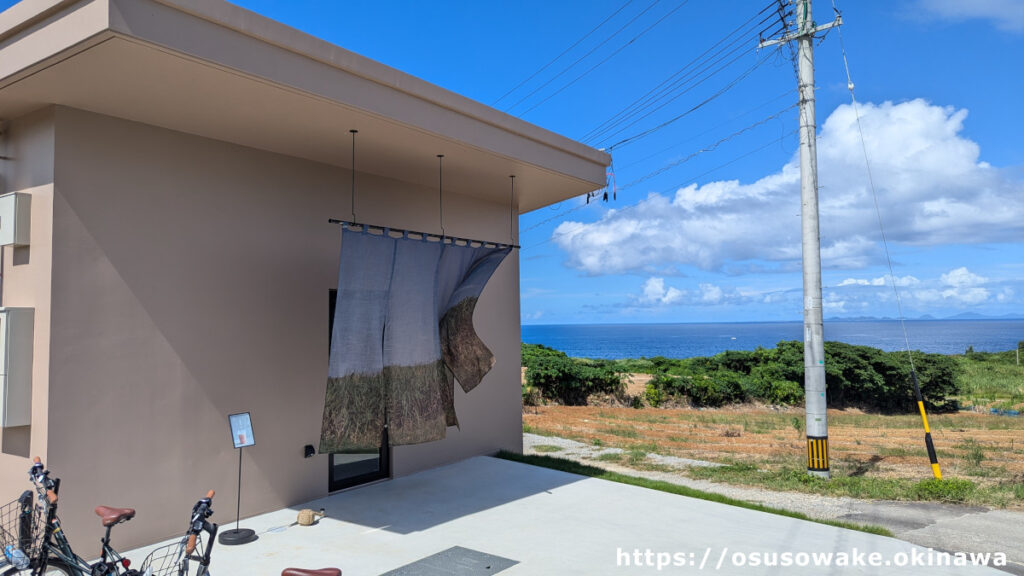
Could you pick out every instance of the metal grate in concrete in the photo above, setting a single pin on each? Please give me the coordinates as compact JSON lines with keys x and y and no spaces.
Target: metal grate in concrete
{"x":455,"y":561}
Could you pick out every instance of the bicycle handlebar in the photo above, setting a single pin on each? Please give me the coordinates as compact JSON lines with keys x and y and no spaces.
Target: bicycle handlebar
{"x":41,"y":478}
{"x":200,"y":512}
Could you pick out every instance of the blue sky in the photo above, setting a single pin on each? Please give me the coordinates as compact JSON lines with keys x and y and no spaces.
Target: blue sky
{"x":706,"y":224}
{"x":715,"y":236}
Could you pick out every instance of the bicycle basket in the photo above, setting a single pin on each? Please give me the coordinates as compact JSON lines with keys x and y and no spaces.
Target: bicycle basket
{"x":22,"y":524}
{"x":170,"y":560}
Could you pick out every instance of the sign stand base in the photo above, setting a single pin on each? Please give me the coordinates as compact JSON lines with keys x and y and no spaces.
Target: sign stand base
{"x":236,"y":536}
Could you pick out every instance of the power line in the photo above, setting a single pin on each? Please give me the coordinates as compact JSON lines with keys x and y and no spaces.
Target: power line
{"x":700,"y":105}
{"x":581,"y":58}
{"x":709,"y":130}
{"x":620,"y":128}
{"x":657,"y":92}
{"x":734,"y":160}
{"x":564,"y":52}
{"x":698,"y":66}
{"x":709,"y":148}
{"x":556,"y":217}
{"x":607,"y":58}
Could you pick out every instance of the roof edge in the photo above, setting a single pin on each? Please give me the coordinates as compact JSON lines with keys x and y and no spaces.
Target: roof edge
{"x":265,"y":29}
{"x":27,"y":13}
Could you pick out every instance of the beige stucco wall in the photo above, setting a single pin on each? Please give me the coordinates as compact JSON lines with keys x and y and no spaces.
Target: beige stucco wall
{"x":28,"y":143}
{"x":190,"y":280}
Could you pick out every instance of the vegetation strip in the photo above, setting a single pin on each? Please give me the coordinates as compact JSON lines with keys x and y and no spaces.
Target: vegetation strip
{"x":875,"y":456}
{"x":574,"y":467}
{"x":857,"y":376}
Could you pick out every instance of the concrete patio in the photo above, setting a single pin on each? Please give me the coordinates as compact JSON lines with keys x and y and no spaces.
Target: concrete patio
{"x":546,"y":522}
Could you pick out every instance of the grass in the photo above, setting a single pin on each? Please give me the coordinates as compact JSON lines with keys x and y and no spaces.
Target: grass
{"x":874,"y":456}
{"x":793,"y":478}
{"x":973,"y":452}
{"x":621,"y":432}
{"x":547,"y":448}
{"x":991,"y":377}
{"x":573,"y":467}
{"x":636,"y":457}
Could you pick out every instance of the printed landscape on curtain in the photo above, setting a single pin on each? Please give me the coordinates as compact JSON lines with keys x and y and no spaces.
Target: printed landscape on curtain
{"x":403,"y":334}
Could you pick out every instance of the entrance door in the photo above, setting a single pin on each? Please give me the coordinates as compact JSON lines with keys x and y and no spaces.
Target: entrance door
{"x":358,"y":468}
{"x":351,"y":469}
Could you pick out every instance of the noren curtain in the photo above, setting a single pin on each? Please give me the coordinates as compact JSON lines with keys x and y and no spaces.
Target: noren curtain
{"x":403,"y":333}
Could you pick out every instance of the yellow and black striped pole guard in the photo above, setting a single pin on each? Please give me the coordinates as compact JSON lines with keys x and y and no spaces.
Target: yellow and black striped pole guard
{"x":817,"y":453}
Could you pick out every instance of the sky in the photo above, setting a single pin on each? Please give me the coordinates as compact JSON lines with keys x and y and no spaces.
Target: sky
{"x":705,"y":220}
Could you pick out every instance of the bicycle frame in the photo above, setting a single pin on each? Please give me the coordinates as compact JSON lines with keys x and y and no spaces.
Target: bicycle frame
{"x":55,"y":544}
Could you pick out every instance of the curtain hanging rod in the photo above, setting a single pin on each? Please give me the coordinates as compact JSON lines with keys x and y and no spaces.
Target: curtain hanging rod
{"x":426,"y":235}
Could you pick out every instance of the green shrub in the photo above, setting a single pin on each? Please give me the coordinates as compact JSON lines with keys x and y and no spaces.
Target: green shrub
{"x":716,"y":389}
{"x":867,"y":377}
{"x":737,"y":361}
{"x":531,"y":396}
{"x":768,"y":382}
{"x":655,"y":395}
{"x":785,"y":392}
{"x":703,"y":392}
{"x":951,"y":490}
{"x":856,"y":376}
{"x":565,"y":379}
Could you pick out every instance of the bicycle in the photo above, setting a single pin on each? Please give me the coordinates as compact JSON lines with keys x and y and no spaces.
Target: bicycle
{"x":173,"y":559}
{"x":45,"y":549}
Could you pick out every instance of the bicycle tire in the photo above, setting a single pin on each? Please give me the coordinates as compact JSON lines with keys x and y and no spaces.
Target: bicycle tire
{"x":53,"y":568}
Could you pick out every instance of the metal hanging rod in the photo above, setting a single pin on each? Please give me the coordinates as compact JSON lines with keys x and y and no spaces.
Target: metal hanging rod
{"x":458,"y":241}
{"x":428,"y":236}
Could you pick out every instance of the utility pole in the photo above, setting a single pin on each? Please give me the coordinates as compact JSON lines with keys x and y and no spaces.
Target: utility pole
{"x":814,"y":337}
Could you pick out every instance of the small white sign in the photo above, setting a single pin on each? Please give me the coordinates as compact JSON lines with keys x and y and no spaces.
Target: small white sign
{"x":241,"y":430}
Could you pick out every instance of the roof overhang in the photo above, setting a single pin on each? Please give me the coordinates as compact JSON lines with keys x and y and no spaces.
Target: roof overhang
{"x":213,"y":69}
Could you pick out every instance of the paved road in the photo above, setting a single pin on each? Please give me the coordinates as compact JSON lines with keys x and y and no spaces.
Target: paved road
{"x":945,"y":527}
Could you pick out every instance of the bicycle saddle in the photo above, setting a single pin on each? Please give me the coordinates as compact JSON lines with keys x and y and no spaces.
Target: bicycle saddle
{"x":110,"y":516}
{"x":320,"y":572}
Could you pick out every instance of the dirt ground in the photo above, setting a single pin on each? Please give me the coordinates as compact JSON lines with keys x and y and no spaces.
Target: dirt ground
{"x":985,"y":448}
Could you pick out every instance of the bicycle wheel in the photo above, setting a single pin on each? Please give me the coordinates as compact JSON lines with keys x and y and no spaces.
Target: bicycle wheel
{"x":53,"y":568}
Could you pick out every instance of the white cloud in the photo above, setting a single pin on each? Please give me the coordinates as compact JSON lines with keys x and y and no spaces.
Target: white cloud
{"x":962,"y":278}
{"x":833,"y":303}
{"x":880,"y":281}
{"x":862,"y":282}
{"x":1005,"y":14}
{"x":655,"y":292}
{"x":1005,"y":295}
{"x":932,"y":187}
{"x":532,"y":316}
{"x":710,"y":294}
{"x":959,"y":287}
{"x":956,"y":289}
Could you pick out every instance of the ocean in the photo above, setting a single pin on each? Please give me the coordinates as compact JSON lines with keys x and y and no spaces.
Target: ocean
{"x":687,"y":340}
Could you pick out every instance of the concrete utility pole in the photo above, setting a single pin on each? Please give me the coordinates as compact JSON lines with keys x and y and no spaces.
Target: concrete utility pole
{"x":814,"y":338}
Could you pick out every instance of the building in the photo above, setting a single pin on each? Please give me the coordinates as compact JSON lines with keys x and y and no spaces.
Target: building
{"x":179,"y":161}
